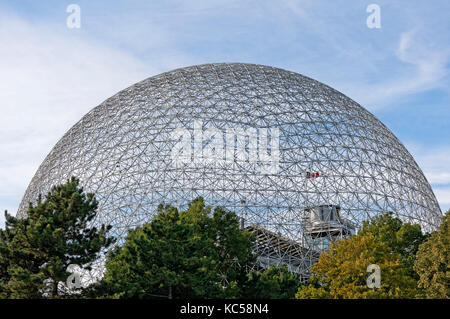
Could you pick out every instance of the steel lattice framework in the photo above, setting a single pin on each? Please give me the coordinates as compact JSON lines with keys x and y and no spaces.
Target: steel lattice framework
{"x":326,"y":149}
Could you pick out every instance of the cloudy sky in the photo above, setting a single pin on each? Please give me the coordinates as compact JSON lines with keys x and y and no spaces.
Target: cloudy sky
{"x":51,"y":75}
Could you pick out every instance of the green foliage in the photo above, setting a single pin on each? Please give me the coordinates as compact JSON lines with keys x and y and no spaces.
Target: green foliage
{"x":35,"y":251}
{"x":386,"y":242}
{"x":433,"y":262}
{"x":187,"y":254}
{"x":401,"y":238}
{"x":272,"y":283}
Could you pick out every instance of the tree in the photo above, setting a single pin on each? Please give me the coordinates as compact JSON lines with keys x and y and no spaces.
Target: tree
{"x":341,"y":271}
{"x":187,"y":254}
{"x":433,"y":262}
{"x":401,"y":238}
{"x":275,"y":282}
{"x":36,"y":251}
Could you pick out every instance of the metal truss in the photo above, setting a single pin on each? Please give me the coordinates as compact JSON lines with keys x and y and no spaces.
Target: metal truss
{"x":331,"y":152}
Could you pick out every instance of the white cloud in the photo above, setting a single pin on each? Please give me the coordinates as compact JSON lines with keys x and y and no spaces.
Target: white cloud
{"x":436,"y":176}
{"x":373,"y":67}
{"x":429,"y":63}
{"x":49,"y":79}
{"x":434,"y":161}
{"x":422,"y":67}
{"x":443,"y":197}
{"x":435,"y":164}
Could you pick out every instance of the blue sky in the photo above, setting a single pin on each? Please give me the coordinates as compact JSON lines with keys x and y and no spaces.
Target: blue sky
{"x":50,"y":75}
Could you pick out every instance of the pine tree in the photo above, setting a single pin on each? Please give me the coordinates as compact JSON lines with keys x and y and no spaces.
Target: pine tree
{"x":36,"y":251}
{"x":275,"y":282}
{"x":180,"y":254}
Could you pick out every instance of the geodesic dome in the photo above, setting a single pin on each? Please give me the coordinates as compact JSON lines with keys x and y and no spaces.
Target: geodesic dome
{"x":261,"y":141}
